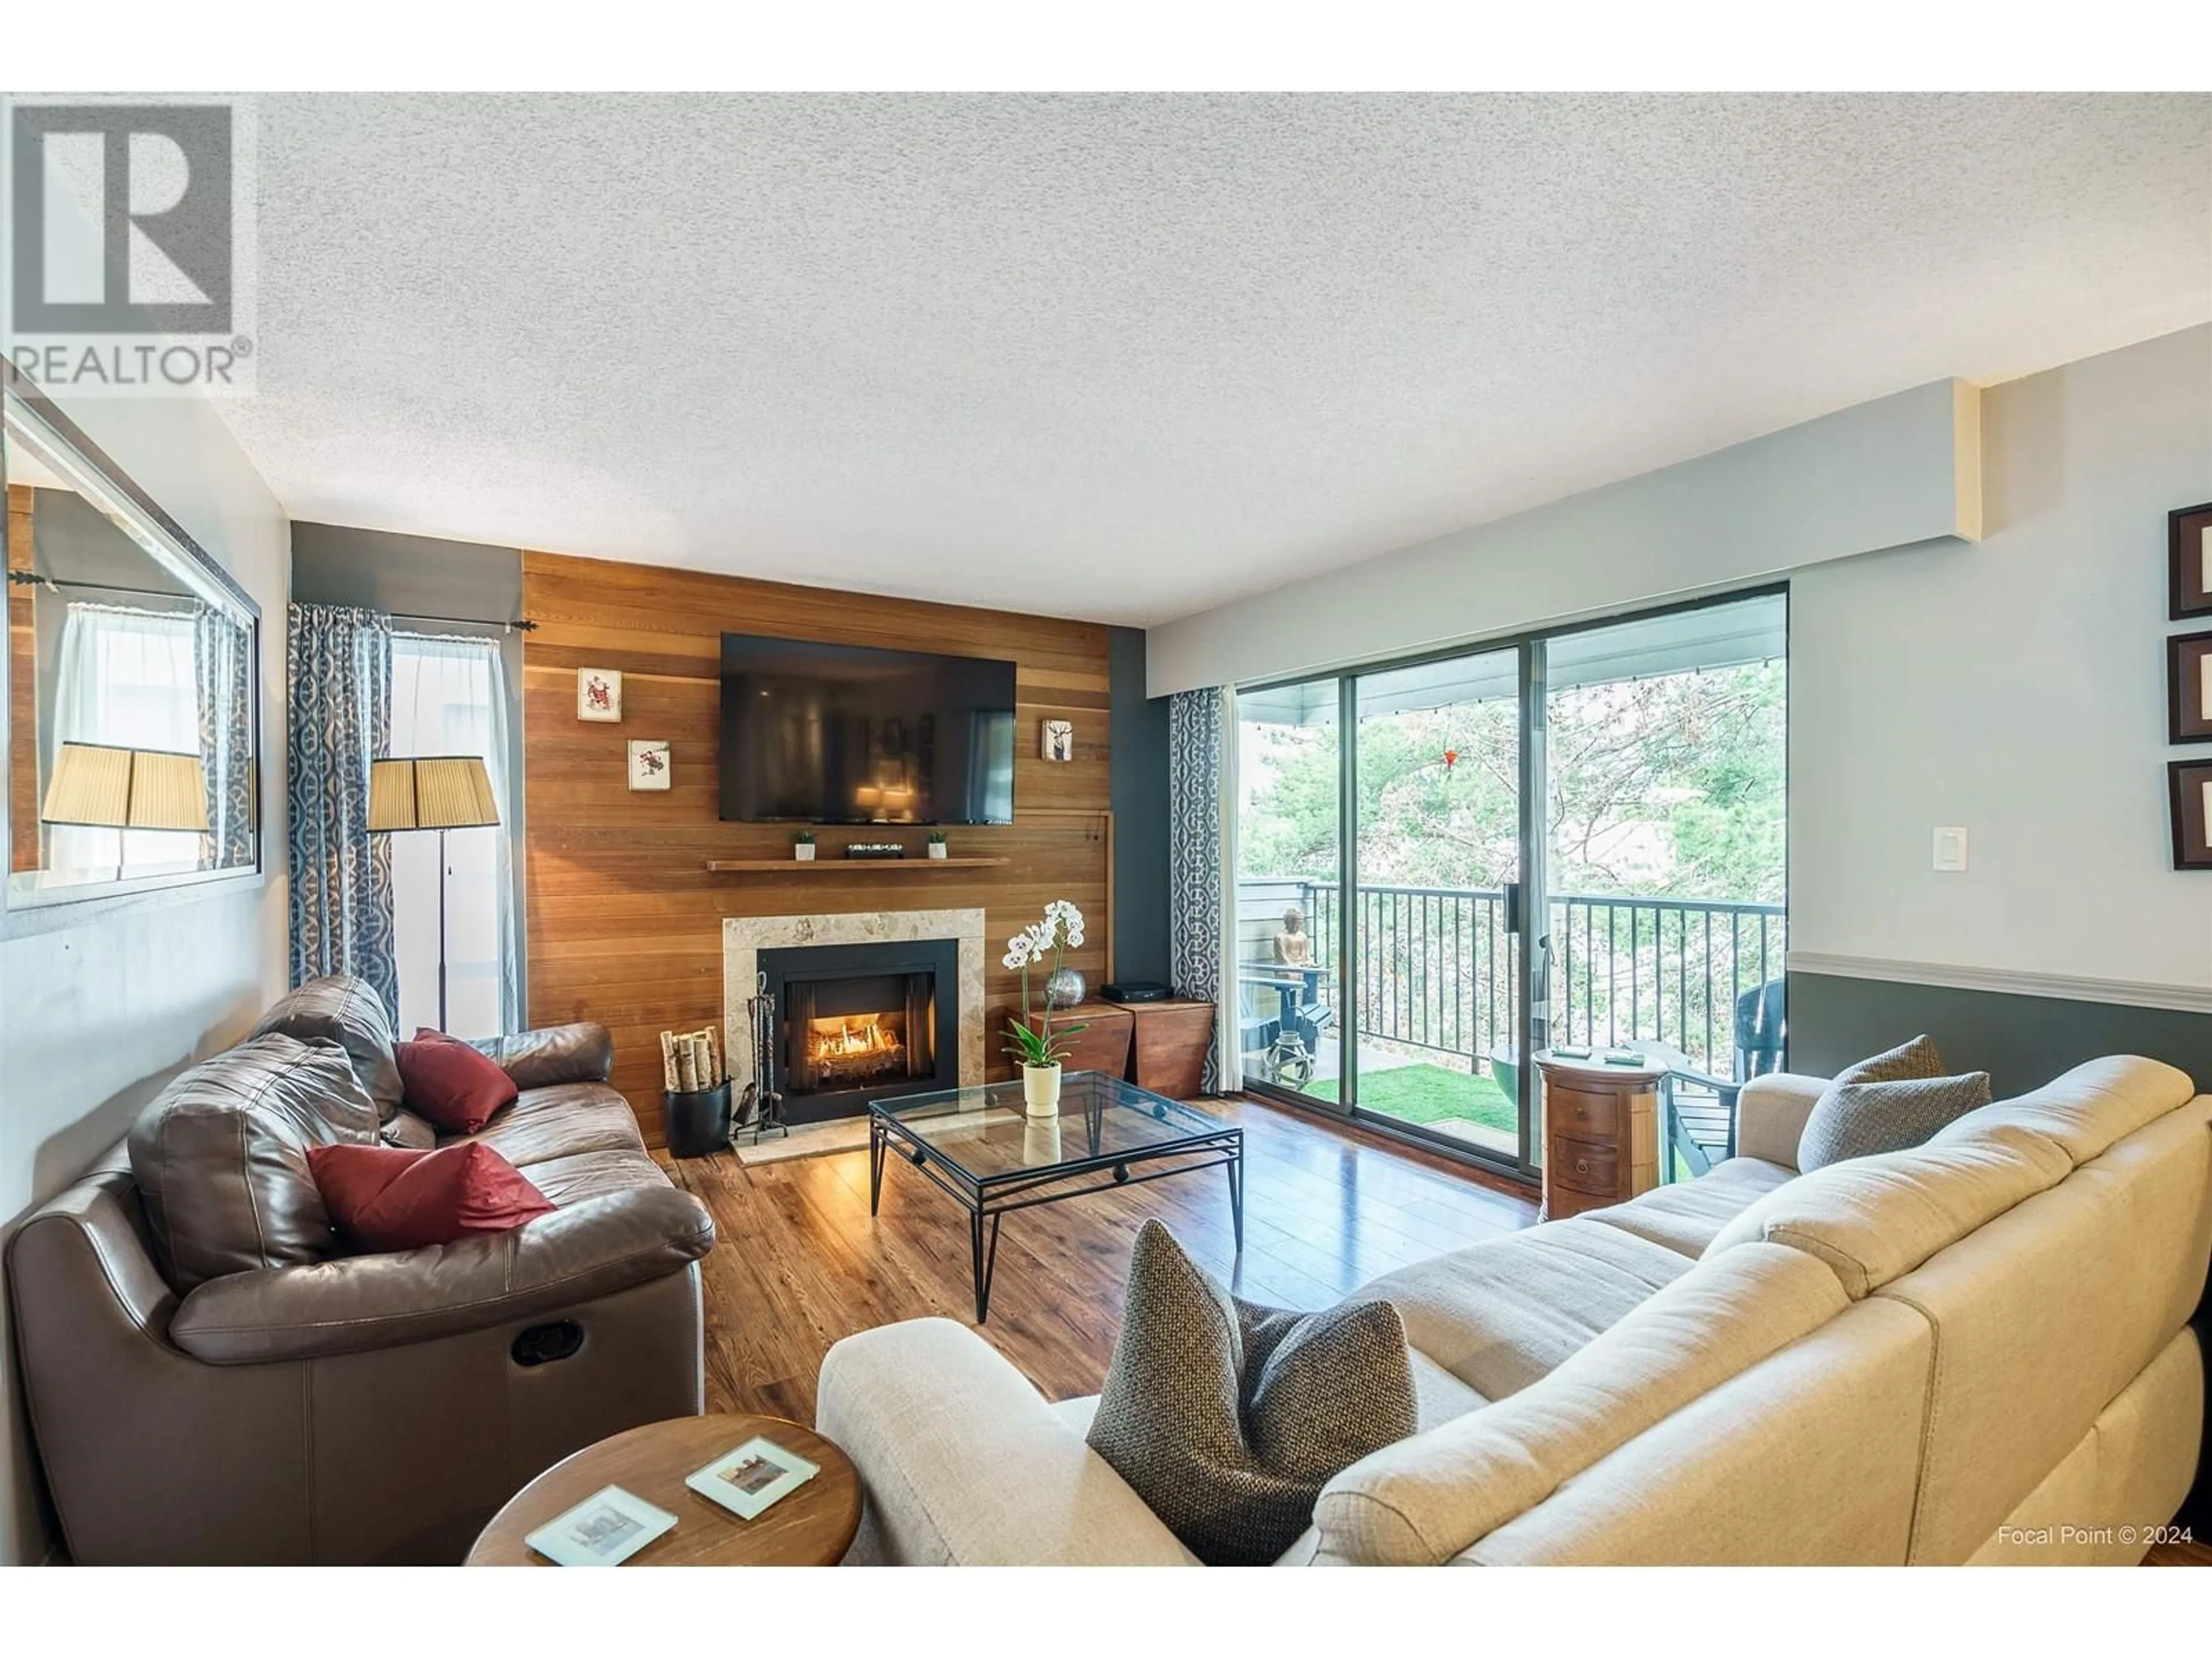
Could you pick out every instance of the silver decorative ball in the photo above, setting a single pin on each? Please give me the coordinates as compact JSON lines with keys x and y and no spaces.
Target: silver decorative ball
{"x":1064,"y":989}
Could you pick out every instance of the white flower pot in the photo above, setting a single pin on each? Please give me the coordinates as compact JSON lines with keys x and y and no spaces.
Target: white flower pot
{"x":803,"y":851}
{"x":1041,"y":1090}
{"x":937,"y":849}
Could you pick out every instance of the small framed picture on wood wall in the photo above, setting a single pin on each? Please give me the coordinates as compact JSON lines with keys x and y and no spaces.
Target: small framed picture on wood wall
{"x":2190,"y":782}
{"x":2189,"y":561}
{"x":598,"y":694}
{"x":649,"y":765}
{"x":2189,"y":688}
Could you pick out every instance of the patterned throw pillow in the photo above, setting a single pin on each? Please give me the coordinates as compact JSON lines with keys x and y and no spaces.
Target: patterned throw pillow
{"x":1885,"y":1105}
{"x":1228,"y":1417}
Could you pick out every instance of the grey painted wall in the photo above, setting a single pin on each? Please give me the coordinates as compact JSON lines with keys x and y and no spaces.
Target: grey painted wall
{"x":407,"y":576}
{"x":96,"y":1016}
{"x":1138,"y":738}
{"x":2021,"y":1041}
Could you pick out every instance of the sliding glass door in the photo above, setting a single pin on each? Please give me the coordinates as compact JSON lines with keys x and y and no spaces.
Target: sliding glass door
{"x":1436,"y":993}
{"x":1667,"y":913}
{"x":1576,"y":838}
{"x":1288,"y":954}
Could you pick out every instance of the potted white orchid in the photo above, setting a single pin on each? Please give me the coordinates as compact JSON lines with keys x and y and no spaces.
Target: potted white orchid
{"x":1031,"y":1039}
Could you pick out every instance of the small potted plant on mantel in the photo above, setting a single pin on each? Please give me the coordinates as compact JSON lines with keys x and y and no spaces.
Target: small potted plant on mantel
{"x":1031,"y":1039}
{"x":937,"y":844}
{"x":802,"y":846}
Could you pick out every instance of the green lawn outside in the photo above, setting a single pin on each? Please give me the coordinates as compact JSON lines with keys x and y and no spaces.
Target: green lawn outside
{"x":1431,"y":1094}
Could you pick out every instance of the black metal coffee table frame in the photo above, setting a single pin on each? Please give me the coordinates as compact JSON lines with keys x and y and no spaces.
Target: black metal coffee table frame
{"x":991,"y":1198}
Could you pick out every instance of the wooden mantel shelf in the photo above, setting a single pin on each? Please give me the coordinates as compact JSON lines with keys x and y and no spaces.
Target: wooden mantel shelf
{"x":747,"y":866}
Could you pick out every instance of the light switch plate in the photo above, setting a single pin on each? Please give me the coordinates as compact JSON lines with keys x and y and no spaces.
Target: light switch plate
{"x":1950,"y":848}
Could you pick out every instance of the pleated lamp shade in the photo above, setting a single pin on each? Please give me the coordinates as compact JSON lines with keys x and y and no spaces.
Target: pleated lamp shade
{"x":167,"y":792}
{"x":430,"y":791}
{"x":91,"y":785}
{"x":125,"y":789}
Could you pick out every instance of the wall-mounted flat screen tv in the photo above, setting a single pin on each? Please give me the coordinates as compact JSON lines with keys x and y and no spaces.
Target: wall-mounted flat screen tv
{"x":852,"y":734}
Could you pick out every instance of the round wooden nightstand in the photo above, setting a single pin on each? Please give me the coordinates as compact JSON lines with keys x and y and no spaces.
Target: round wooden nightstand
{"x":812,"y":1527}
{"x":1601,"y":1132}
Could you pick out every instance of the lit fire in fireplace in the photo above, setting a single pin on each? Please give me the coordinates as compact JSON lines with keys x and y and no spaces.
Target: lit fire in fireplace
{"x":857,"y":1044}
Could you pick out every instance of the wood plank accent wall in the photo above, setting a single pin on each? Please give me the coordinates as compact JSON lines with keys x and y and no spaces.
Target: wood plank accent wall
{"x":23,"y":691}
{"x":625,"y":923}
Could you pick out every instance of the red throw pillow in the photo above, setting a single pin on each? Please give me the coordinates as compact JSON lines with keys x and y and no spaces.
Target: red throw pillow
{"x":386,"y":1198}
{"x":457,"y":1087}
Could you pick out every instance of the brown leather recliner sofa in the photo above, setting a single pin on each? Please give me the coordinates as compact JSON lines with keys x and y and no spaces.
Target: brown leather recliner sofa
{"x":209,"y":1379}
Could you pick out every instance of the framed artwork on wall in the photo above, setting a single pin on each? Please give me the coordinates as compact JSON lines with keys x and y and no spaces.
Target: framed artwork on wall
{"x":598,"y":694}
{"x":1059,"y":740}
{"x":2189,"y":688}
{"x":2190,"y":784}
{"x":2189,"y":561}
{"x":649,"y":766}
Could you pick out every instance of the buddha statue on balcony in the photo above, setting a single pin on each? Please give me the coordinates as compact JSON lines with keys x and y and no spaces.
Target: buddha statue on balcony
{"x":1294,"y":945}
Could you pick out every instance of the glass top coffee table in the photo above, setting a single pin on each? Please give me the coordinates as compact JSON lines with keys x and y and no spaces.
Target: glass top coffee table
{"x":979,"y":1145}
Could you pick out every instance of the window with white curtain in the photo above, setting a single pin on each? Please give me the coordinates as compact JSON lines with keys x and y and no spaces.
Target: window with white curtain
{"x":125,"y":678}
{"x":449,"y":698}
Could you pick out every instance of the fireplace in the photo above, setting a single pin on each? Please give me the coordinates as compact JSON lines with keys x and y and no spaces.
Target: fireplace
{"x":857,"y":1023}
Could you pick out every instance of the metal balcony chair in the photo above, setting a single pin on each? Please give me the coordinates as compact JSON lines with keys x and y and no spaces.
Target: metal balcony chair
{"x":1698,"y":1110}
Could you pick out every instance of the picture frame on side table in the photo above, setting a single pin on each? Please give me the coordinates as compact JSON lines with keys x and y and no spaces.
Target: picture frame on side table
{"x":605,"y":1530}
{"x":2189,"y":561}
{"x":598,"y":694}
{"x":2189,"y":784}
{"x":2189,"y":688}
{"x":650,"y":764}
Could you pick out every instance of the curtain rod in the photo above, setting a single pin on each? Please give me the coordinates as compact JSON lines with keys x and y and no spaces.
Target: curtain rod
{"x":30,"y":578}
{"x":521,"y":623}
{"x":39,"y":578}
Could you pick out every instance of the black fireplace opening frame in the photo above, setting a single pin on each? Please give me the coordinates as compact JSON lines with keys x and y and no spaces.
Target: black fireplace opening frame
{"x":813,"y":964}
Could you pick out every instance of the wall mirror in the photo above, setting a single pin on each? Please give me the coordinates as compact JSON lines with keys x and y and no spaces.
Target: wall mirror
{"x":132,"y":667}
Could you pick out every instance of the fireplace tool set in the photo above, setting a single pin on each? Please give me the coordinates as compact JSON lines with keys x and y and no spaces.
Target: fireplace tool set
{"x":761,"y":1108}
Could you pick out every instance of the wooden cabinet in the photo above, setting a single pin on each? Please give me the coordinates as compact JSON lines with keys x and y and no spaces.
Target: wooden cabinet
{"x":1168,"y":1053}
{"x":1601,"y":1133}
{"x":1102,"y":1044}
{"x":1160,"y":1046}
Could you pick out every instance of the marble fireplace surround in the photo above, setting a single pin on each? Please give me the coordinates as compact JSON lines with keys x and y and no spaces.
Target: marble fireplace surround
{"x":744,"y":937}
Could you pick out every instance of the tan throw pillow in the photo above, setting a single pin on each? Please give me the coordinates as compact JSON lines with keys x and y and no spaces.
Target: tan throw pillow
{"x":1893,"y":1102}
{"x":1228,"y":1417}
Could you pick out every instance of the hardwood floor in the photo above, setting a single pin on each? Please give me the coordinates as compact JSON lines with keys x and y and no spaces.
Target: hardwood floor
{"x":2179,"y":1555}
{"x":800,"y":1264}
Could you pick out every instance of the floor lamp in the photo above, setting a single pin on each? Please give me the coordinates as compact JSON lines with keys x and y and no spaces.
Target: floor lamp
{"x":431,"y":791}
{"x":102,"y":785}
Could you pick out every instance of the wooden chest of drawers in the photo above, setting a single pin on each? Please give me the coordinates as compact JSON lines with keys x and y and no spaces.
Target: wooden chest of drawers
{"x":1601,"y":1133}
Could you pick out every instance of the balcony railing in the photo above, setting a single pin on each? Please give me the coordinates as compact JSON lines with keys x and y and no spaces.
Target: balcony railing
{"x":1434,"y":969}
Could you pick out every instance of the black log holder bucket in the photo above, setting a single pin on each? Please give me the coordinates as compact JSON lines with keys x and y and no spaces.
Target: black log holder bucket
{"x":697,"y":1120}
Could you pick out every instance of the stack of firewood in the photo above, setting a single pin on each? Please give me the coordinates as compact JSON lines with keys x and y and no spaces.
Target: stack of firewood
{"x":691,"y":1060}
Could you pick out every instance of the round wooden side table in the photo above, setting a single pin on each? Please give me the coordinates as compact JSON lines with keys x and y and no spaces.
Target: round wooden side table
{"x":811,"y":1526}
{"x":1600,"y":1128}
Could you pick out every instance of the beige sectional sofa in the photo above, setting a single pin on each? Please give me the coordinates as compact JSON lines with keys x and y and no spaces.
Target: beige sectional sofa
{"x":1976,"y":1350}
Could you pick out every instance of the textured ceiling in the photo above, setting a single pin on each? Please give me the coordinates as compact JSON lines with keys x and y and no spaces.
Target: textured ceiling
{"x":1125,"y":357}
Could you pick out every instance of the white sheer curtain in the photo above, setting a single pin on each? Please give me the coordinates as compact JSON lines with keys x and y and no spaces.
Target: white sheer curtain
{"x":449,"y":698}
{"x":126,"y":678}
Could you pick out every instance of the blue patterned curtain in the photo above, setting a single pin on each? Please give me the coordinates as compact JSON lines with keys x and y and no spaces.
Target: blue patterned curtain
{"x":1195,"y":853}
{"x":338,"y":663}
{"x":221,"y":660}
